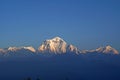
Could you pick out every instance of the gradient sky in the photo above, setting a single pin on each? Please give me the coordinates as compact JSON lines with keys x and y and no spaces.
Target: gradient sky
{"x":87,"y":24}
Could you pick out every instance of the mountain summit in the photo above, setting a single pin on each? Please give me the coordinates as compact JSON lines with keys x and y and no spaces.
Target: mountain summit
{"x":22,"y":50}
{"x":107,"y":49}
{"x":56,"y":45}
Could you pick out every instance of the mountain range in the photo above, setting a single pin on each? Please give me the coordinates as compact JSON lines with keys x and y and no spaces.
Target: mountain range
{"x":55,"y":46}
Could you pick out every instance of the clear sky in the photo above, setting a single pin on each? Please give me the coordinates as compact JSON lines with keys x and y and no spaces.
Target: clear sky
{"x":87,"y":24}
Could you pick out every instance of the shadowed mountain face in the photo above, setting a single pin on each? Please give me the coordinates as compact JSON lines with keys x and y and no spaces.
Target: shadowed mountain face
{"x":61,"y":67}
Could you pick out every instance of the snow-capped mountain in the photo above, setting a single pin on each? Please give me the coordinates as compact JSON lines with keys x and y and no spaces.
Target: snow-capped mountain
{"x":14,"y":49}
{"x":73,"y":49}
{"x":56,"y":45}
{"x":106,"y":50}
{"x":30,"y":48}
{"x":3,"y":51}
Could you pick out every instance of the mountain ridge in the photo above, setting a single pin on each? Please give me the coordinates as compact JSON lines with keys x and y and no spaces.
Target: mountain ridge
{"x":57,"y":45}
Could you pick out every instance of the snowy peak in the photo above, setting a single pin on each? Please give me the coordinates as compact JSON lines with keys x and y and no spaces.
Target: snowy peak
{"x":104,"y":50}
{"x":14,"y":49}
{"x":2,"y":51}
{"x":107,"y":49}
{"x":72,"y":48}
{"x":55,"y":45}
{"x":58,"y":39}
{"x":30,"y":48}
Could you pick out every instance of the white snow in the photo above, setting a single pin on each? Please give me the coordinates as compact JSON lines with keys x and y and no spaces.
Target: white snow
{"x":30,"y":48}
{"x":55,"y":45}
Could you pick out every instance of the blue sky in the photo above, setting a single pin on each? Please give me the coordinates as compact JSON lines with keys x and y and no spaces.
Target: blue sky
{"x":87,"y":24}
